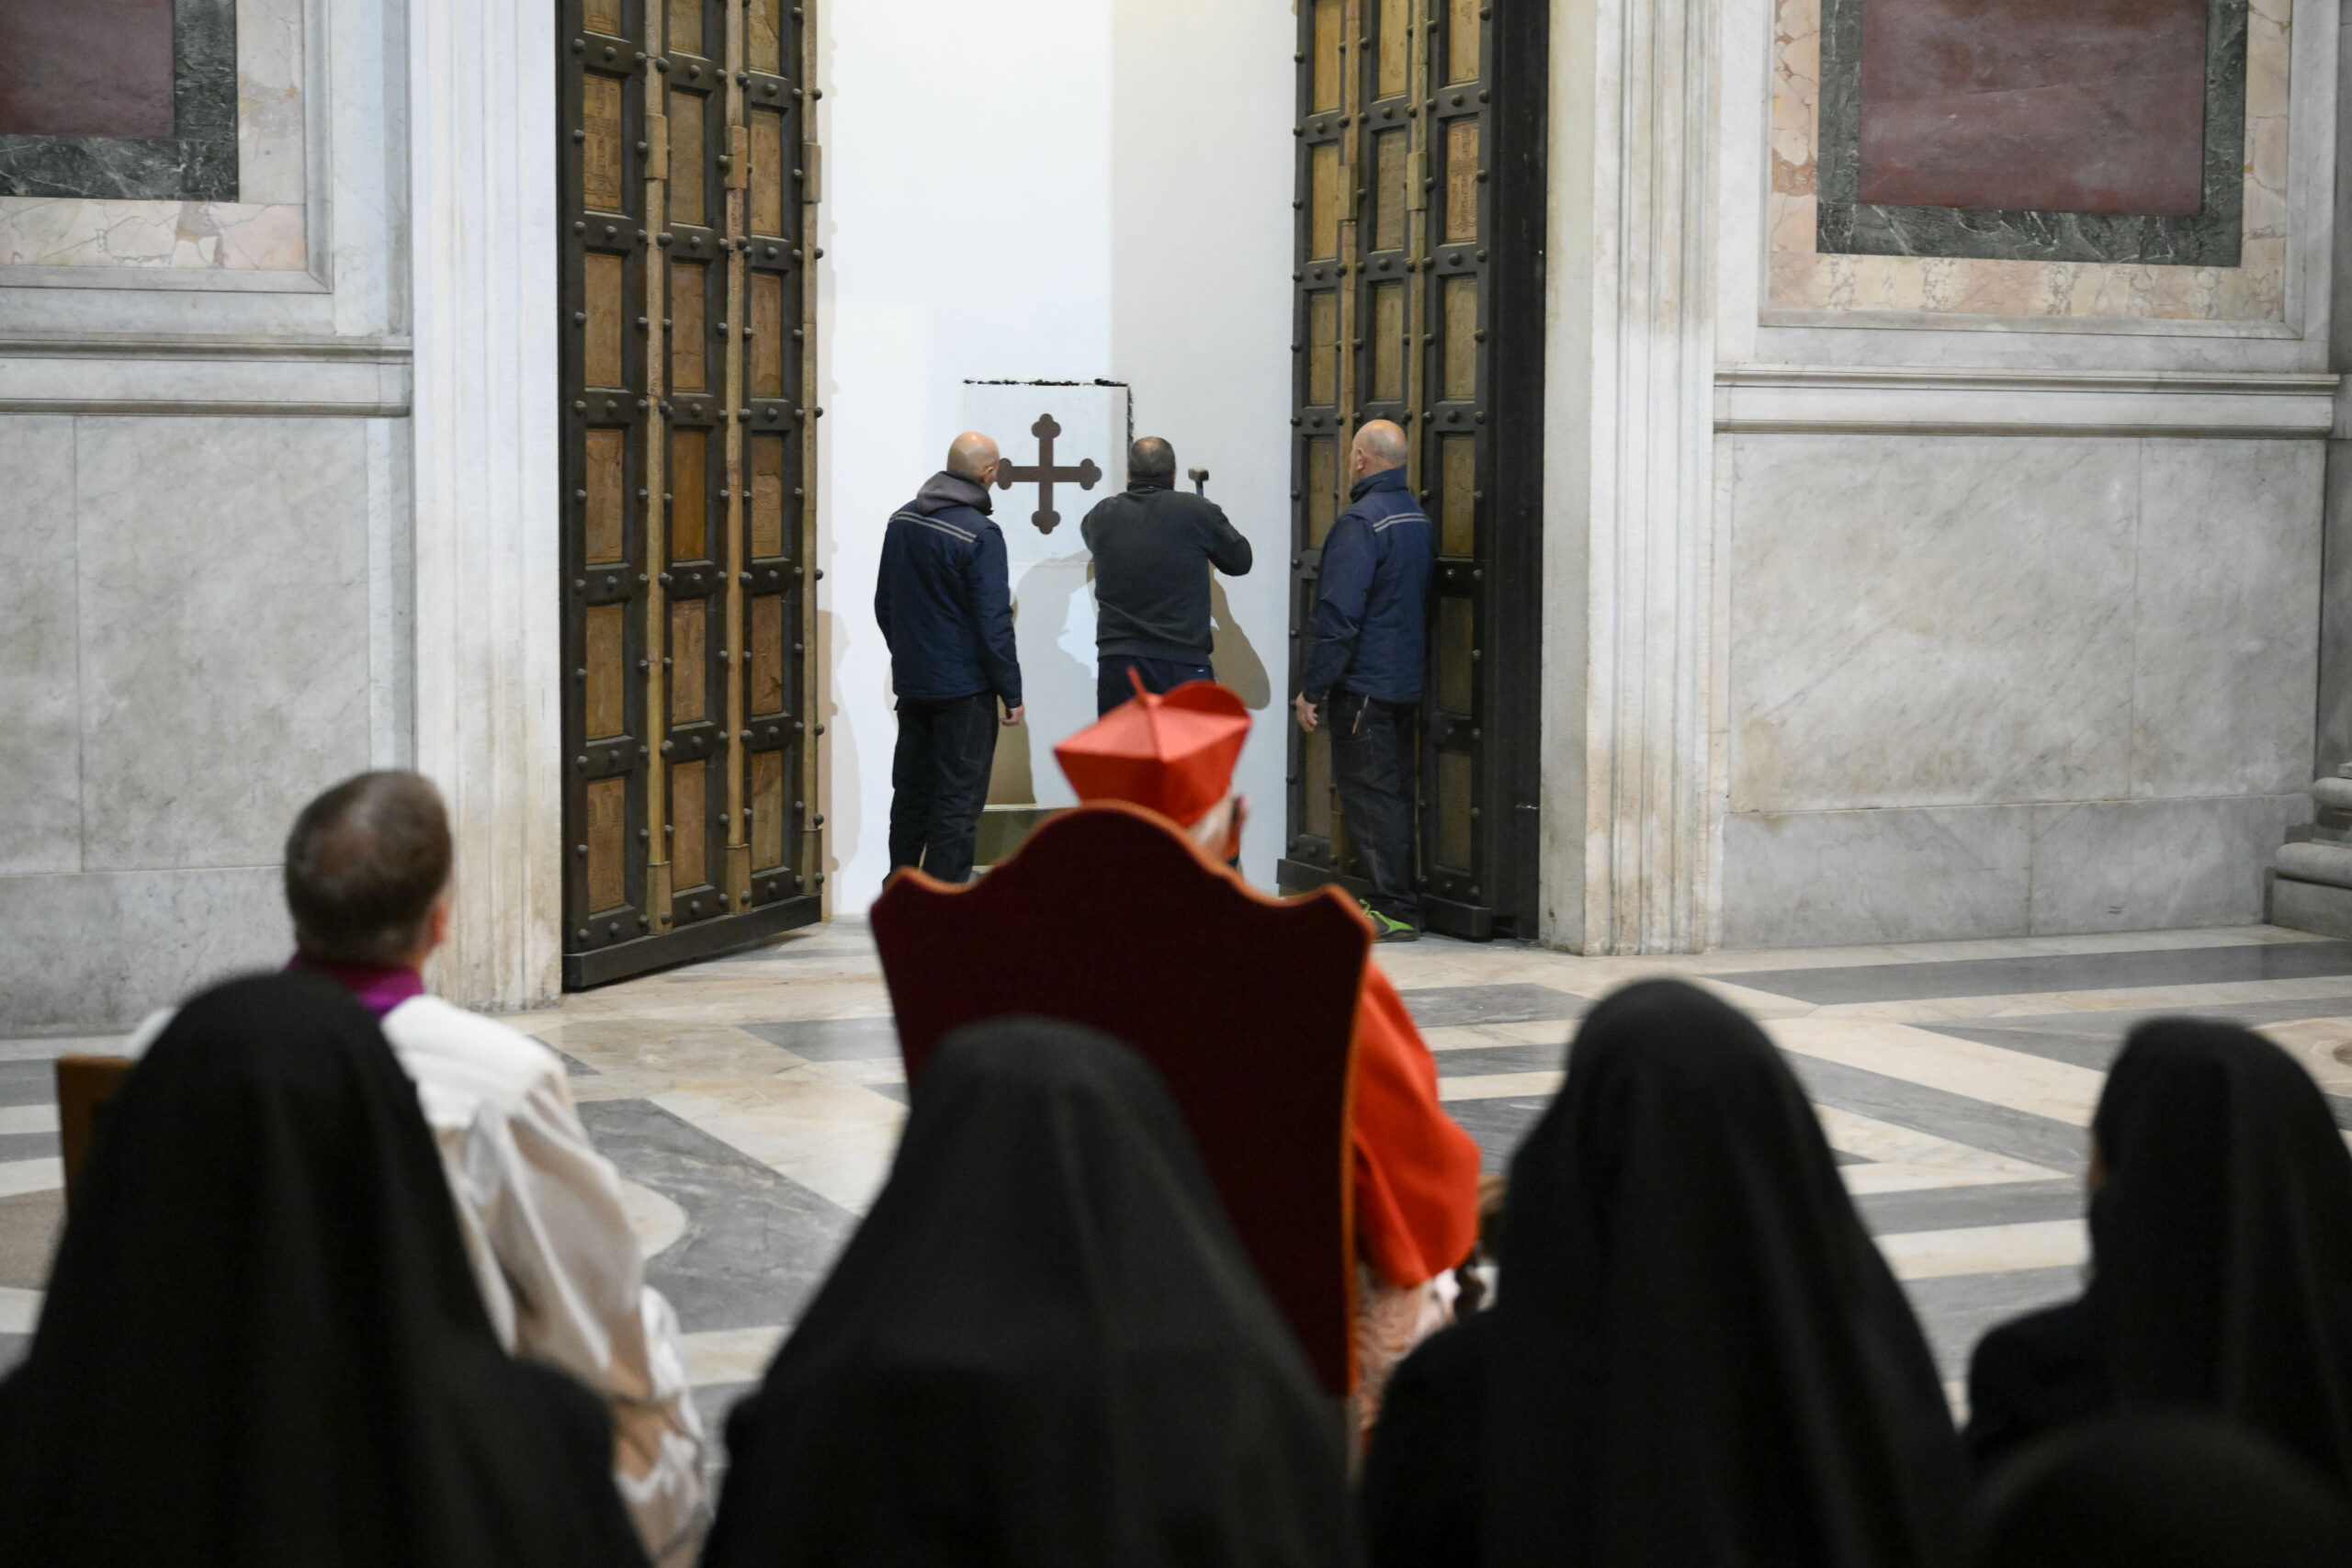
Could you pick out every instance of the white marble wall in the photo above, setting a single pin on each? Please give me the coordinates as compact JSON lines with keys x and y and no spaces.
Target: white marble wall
{"x":206,"y":546}
{"x":1992,"y":685}
{"x":191,"y":653}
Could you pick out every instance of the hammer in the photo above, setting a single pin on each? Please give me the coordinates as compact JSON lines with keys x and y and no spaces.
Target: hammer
{"x":1200,"y":478}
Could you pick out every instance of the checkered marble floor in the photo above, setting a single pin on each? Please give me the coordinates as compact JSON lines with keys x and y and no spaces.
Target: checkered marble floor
{"x":753,"y":1103}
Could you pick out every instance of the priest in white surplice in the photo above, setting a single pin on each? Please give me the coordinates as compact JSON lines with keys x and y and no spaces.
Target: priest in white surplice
{"x":366,"y":881}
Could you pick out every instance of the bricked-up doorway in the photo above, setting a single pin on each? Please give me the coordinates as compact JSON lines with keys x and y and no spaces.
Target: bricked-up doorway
{"x":1419,"y":284}
{"x":689,"y":590}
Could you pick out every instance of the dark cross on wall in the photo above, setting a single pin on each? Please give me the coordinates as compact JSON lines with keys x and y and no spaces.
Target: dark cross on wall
{"x":1044,"y":475}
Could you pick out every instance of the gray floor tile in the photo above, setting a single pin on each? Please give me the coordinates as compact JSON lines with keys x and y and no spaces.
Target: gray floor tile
{"x":2056,"y":1146}
{"x":2070,"y":972}
{"x":1497,"y":1125}
{"x":1477,"y":1060}
{"x":1436,"y":1007}
{"x":12,"y":1350}
{"x":833,"y":1039}
{"x":756,"y":1243}
{"x":1958,"y":1310}
{"x":27,"y":1146}
{"x":27,"y":1083}
{"x":1957,"y":1208}
{"x":30,"y":1223}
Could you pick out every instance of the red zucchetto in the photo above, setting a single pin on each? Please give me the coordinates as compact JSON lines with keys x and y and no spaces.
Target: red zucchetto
{"x":1173,"y":753}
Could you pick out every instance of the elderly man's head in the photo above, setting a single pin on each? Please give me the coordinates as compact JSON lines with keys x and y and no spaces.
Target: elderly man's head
{"x":972,"y":456}
{"x":1152,"y":459}
{"x":1379,"y":445}
{"x":367,"y":871}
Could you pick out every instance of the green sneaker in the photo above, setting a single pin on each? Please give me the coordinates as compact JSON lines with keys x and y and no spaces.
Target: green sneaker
{"x":1386,"y":928}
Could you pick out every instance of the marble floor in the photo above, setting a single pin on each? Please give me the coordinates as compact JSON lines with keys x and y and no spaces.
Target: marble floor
{"x":753,"y":1102}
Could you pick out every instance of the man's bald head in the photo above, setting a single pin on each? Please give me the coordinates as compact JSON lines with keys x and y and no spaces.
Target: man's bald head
{"x":972,"y":455}
{"x":1380,"y":444}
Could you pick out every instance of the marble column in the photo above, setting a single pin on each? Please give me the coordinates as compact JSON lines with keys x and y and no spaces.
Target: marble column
{"x":481,"y":170}
{"x":1629,"y":542}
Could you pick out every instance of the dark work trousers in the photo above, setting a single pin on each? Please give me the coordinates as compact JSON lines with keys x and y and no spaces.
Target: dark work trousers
{"x":1371,"y":766}
{"x":1112,"y":686}
{"x":939,"y":781}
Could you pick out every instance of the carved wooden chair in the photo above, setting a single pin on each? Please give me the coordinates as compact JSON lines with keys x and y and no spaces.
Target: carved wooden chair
{"x":86,"y":1087}
{"x":1109,"y":916}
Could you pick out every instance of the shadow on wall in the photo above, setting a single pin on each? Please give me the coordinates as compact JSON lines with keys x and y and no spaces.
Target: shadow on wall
{"x":1053,"y":623}
{"x":1236,"y":662}
{"x":837,"y":799}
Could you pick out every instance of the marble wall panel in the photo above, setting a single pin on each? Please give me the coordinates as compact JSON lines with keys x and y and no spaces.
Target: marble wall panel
{"x":40,"y":730}
{"x":2225,"y":644}
{"x":1800,"y":278}
{"x":265,"y":230}
{"x":223,"y":607}
{"x":2115,"y":865}
{"x":1928,"y":621}
{"x":2335,"y":747}
{"x":1829,"y":878}
{"x":100,"y":952}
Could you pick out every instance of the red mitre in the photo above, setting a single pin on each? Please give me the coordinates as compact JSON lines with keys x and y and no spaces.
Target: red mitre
{"x":1172,"y":754}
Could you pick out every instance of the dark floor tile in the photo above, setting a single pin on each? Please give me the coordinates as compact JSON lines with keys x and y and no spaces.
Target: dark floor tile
{"x":1477,"y":1059}
{"x":833,"y":1039}
{"x":27,"y":1083}
{"x":12,"y":1350}
{"x":1957,"y":1312}
{"x":1960,"y":1208}
{"x":1497,"y":1125}
{"x":756,"y":1243}
{"x":2067,"y":971}
{"x":2058,"y":1146}
{"x":27,"y":1146}
{"x":1435,"y":1006}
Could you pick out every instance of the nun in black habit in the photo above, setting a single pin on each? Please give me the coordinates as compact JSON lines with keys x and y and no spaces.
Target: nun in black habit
{"x":2162,"y":1491}
{"x":2221,"y":1222}
{"x":1696,"y":1356}
{"x":1044,"y":1348}
{"x":261,"y":1342}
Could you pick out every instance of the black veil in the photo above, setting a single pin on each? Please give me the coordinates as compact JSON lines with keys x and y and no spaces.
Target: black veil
{"x":1697,"y":1356}
{"x":1043,"y":1347}
{"x":2221,"y":1238}
{"x":261,"y":1342}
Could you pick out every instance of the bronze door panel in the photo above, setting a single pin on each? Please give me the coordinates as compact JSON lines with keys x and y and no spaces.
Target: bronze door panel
{"x":691,"y":783}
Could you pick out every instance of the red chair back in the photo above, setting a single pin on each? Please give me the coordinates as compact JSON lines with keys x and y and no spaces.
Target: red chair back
{"x":1245,"y":1004}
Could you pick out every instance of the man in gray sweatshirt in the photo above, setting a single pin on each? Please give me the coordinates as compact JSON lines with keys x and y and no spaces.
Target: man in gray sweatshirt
{"x":1153,"y":547}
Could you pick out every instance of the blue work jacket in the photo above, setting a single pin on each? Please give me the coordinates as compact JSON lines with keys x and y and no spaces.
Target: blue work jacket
{"x":1372,"y":603}
{"x":943,"y":599}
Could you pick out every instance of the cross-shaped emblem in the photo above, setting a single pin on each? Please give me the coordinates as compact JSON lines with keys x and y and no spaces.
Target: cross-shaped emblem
{"x":1045,"y":476}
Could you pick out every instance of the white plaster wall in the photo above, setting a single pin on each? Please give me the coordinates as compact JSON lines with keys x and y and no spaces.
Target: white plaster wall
{"x":1049,"y":189}
{"x":967,"y":177}
{"x":1201,"y":326}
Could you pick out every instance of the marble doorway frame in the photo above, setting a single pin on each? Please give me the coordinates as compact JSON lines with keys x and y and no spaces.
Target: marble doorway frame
{"x":482,"y":166}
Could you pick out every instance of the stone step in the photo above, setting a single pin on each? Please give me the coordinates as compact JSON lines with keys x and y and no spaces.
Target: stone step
{"x":2334,"y":794}
{"x":2317,"y":860}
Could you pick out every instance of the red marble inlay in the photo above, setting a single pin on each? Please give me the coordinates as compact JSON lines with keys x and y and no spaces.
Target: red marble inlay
{"x":86,"y":68}
{"x":2047,"y":105}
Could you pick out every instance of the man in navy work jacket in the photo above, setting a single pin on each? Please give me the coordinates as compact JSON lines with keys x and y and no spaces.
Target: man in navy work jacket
{"x":1363,"y":667}
{"x":1153,"y":547}
{"x":945,"y":609}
